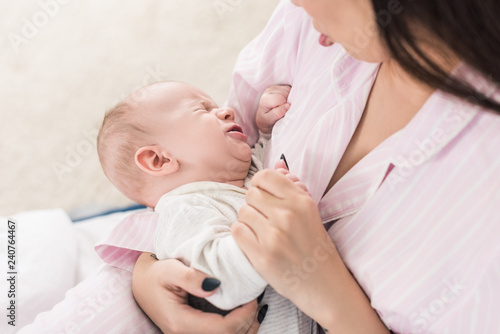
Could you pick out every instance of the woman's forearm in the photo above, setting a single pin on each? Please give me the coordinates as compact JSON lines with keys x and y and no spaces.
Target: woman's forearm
{"x":343,"y":307}
{"x":142,"y":285}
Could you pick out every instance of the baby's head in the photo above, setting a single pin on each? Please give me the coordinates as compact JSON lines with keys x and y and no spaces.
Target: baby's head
{"x":169,"y":134}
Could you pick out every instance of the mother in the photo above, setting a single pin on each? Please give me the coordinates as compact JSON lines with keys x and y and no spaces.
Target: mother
{"x":394,"y":128}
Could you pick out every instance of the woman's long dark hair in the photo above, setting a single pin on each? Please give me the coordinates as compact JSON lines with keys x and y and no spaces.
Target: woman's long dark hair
{"x":468,"y":28}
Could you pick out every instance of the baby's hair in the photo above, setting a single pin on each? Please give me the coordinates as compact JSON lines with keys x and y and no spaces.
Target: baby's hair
{"x":120,"y":136}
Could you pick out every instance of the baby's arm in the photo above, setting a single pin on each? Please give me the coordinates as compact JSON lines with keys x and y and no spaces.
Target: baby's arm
{"x":196,"y":233}
{"x":272,"y":107}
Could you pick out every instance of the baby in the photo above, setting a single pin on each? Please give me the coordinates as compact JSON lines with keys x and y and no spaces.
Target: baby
{"x":176,"y":151}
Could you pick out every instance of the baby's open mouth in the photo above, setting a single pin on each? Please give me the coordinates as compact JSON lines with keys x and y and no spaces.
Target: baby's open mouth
{"x":235,"y":128}
{"x":236,"y":132}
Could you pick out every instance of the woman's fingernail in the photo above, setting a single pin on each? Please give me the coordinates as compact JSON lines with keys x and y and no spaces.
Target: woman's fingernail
{"x":262,"y":313}
{"x":284,"y":159}
{"x":259,"y":299}
{"x":210,"y":284}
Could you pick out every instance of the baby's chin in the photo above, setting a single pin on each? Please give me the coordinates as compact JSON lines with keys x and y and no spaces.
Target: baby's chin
{"x":239,"y":167}
{"x":231,"y":171}
{"x":244,"y":153}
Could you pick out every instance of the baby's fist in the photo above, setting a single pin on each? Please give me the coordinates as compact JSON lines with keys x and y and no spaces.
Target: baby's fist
{"x":272,"y":107}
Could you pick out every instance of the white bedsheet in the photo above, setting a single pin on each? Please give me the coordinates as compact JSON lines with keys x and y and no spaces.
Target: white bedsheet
{"x":53,"y":255}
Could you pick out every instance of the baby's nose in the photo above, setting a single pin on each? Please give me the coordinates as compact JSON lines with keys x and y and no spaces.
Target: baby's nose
{"x":225,"y":113}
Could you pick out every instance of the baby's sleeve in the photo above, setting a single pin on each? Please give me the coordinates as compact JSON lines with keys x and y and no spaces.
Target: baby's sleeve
{"x":196,"y":233}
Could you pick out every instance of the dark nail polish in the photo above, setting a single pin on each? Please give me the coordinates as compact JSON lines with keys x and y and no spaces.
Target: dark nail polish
{"x":259,"y":299}
{"x":284,"y":159}
{"x":210,"y":284}
{"x":262,"y":313}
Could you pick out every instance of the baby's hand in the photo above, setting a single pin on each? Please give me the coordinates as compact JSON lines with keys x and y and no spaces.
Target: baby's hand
{"x":272,"y":107}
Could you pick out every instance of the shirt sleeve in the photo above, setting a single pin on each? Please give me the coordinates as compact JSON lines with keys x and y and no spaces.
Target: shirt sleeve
{"x":200,"y":236}
{"x":102,"y":303}
{"x":268,"y":60}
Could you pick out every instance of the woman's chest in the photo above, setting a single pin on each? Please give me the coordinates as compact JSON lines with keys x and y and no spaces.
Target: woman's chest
{"x":421,"y":246}
{"x":378,"y":122}
{"x":326,"y":131}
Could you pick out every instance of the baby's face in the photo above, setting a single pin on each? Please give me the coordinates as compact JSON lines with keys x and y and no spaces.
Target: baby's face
{"x":187,"y":123}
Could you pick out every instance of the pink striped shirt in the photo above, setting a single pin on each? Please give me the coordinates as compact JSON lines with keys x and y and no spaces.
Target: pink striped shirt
{"x":416,"y":220}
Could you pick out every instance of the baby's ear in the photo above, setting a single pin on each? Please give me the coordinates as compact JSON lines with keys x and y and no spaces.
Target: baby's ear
{"x":155,"y":161}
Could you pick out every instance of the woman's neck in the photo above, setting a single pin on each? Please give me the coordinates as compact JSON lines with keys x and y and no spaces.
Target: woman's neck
{"x":406,"y":90}
{"x":401,"y":90}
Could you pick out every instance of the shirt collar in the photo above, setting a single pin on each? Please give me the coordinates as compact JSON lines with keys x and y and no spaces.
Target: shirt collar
{"x":442,"y":118}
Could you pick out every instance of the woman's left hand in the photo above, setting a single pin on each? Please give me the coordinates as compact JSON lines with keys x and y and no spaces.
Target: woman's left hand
{"x":281,"y":232}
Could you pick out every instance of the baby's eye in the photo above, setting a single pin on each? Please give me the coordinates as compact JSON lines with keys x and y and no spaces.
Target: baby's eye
{"x":212,"y":107}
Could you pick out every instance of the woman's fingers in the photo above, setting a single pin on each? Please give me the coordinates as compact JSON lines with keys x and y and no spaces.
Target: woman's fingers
{"x":260,"y":205}
{"x":302,"y":186}
{"x":274,"y":183}
{"x":283,"y":171}
{"x":282,"y":168}
{"x":281,"y":164}
{"x":268,"y":194}
{"x":245,"y":230}
{"x":174,"y":275}
{"x":246,"y":238}
{"x":192,"y":321}
{"x":261,"y":314}
{"x":252,"y":325}
{"x":242,"y":320}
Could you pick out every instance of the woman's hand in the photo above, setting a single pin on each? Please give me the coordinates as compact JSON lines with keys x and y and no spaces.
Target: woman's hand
{"x":161,"y":288}
{"x":281,"y":232}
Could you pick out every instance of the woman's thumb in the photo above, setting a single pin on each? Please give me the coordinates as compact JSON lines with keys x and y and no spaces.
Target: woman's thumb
{"x":196,"y":283}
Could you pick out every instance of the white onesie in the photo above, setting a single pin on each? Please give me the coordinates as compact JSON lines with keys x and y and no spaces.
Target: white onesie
{"x":194,"y":226}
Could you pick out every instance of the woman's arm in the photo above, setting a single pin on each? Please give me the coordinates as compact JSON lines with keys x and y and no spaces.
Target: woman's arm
{"x":161,"y":287}
{"x":281,"y":232}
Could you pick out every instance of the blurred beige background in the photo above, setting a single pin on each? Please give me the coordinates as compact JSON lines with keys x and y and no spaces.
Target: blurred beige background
{"x":64,"y":62}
